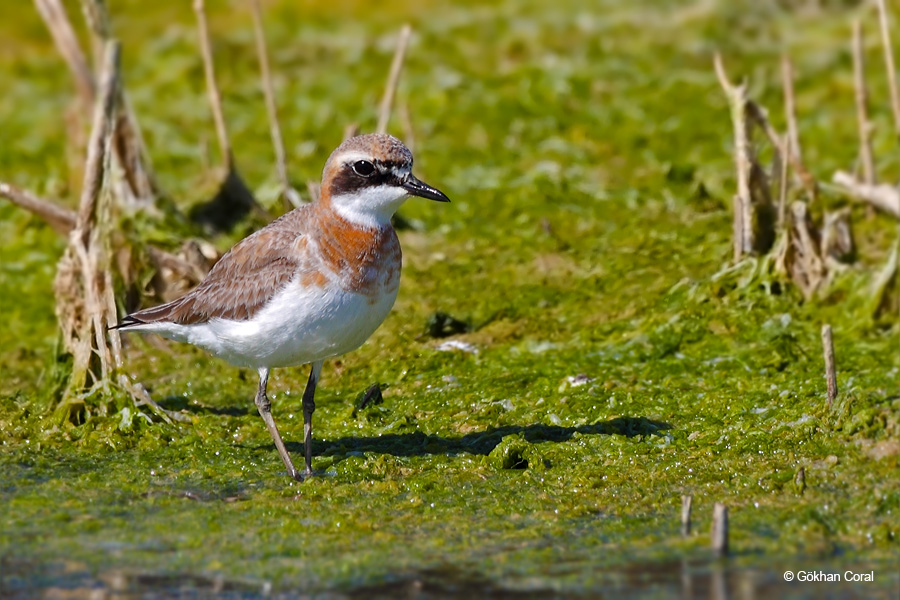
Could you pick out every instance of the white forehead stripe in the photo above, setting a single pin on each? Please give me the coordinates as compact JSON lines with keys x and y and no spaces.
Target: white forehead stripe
{"x":351,"y":156}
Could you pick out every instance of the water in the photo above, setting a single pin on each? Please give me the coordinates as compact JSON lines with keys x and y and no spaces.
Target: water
{"x":715,"y":580}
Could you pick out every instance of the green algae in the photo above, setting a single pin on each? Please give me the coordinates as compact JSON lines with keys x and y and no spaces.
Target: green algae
{"x":617,"y":367}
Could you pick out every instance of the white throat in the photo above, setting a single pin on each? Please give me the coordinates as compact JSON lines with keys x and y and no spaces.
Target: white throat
{"x":371,"y":206}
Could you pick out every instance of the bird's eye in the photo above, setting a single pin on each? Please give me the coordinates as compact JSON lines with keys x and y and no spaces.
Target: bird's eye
{"x":363,"y":168}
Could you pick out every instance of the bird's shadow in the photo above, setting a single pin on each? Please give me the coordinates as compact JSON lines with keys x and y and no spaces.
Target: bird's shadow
{"x":417,"y":443}
{"x":479,"y":442}
{"x":232,"y":202}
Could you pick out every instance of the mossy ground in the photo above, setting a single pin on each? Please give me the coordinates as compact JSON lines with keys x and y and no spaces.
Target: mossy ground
{"x":587,"y":153}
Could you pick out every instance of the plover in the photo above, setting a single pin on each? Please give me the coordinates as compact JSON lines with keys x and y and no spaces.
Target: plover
{"x":312,"y":285}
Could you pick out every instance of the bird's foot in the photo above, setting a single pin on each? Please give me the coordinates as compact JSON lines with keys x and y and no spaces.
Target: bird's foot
{"x":303,"y":475}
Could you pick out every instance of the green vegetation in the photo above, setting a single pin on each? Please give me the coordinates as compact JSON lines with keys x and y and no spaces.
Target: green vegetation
{"x":587,"y":153}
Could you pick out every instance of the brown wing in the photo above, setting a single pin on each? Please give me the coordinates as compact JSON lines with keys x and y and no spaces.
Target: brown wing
{"x":240,"y":283}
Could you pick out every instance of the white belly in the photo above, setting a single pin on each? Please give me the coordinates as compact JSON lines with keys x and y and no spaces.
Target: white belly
{"x":298,"y":326}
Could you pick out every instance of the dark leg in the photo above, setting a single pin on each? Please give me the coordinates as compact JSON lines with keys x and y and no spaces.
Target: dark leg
{"x":265,"y":411}
{"x":309,"y":406}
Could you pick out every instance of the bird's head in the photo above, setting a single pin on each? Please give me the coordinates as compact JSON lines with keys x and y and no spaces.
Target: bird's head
{"x":368,"y":177}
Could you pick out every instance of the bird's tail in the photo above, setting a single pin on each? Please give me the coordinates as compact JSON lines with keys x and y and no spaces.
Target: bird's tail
{"x":163,"y":312}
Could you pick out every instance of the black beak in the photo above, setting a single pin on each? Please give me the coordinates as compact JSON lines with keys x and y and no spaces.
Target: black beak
{"x":423,"y":190}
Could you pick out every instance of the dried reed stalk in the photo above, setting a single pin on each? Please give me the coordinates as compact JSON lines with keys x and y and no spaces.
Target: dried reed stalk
{"x":97,"y":19}
{"x":409,"y":134}
{"x":790,"y":106}
{"x":795,"y":156}
{"x":867,"y":162}
{"x":686,"y":502}
{"x":129,"y":146}
{"x":884,"y":197}
{"x":183,"y":272}
{"x":85,"y":295}
{"x":783,"y":185}
{"x":387,"y":101}
{"x":60,"y":219}
{"x":54,"y":14}
{"x":351,"y":130}
{"x":130,"y":151}
{"x":212,"y":88}
{"x":803,"y":260}
{"x":80,"y":285}
{"x":758,"y":115}
{"x":886,"y":287}
{"x":743,"y":202}
{"x":754,"y":214}
{"x":889,"y":63}
{"x":289,"y":194}
{"x":720,"y":530}
{"x":234,"y":200}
